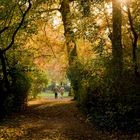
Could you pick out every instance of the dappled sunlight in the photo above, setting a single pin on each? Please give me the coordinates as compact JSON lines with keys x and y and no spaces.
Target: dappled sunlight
{"x":47,"y":102}
{"x":52,"y":120}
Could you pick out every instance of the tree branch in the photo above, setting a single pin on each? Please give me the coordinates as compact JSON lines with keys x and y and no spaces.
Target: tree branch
{"x":48,"y":43}
{"x":19,"y":26}
{"x":5,"y":28}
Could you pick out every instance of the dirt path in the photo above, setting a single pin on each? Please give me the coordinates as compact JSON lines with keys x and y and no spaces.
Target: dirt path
{"x":51,"y":120}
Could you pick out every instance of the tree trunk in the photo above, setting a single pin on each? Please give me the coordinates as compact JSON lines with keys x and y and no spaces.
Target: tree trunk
{"x":70,"y":40}
{"x":68,"y":31}
{"x":117,"y":54}
{"x":134,"y":41}
{"x":4,"y":71}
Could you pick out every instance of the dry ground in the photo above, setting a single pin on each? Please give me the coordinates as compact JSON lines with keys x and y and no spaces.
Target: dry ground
{"x":50,"y":119}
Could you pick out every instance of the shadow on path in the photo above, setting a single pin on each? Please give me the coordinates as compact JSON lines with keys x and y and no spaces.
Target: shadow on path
{"x":50,"y":119}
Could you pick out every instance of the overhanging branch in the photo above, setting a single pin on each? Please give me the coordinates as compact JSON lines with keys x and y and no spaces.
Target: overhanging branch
{"x":5,"y":28}
{"x":19,"y":26}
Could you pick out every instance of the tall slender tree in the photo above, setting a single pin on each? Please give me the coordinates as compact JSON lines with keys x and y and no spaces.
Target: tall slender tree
{"x":68,"y":31}
{"x":117,"y":54}
{"x":134,"y":38}
{"x":70,"y":39}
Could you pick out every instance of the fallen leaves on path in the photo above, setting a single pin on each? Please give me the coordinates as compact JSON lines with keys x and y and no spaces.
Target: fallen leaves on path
{"x":50,"y":119}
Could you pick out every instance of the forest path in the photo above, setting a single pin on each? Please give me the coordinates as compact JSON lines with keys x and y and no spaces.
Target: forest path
{"x":50,"y":119}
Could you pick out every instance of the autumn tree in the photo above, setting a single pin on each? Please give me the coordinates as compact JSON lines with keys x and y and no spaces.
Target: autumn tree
{"x":12,"y":17}
{"x":70,"y":38}
{"x":8,"y":32}
{"x":132,"y":17}
{"x":117,"y":56}
{"x":68,"y":31}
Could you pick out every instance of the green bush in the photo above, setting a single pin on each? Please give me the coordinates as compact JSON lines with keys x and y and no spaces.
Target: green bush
{"x":116,"y":106}
{"x":14,"y":98}
{"x":84,"y":76}
{"x":111,"y":103}
{"x":20,"y":85}
{"x":39,"y":83}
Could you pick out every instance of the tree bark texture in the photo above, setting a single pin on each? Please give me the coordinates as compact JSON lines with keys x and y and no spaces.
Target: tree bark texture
{"x":134,"y":41}
{"x":4,"y":71}
{"x":68,"y":31}
{"x":117,"y":54}
{"x":70,"y":39}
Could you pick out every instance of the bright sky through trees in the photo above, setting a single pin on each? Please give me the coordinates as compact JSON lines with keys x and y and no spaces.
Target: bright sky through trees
{"x":57,"y":19}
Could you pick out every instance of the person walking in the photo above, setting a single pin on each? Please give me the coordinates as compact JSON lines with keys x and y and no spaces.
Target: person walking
{"x":55,"y":90}
{"x":61,"y":90}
